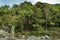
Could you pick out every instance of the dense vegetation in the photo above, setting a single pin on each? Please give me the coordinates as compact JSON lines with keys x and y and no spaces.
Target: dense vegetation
{"x":30,"y":19}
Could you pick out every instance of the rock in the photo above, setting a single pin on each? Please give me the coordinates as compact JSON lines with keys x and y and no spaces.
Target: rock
{"x":5,"y":35}
{"x":23,"y":36}
{"x":47,"y":37}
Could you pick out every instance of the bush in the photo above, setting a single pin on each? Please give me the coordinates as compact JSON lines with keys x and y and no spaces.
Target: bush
{"x":25,"y":33}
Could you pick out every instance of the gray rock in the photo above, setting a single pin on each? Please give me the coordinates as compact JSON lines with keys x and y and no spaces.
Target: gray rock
{"x":5,"y":35}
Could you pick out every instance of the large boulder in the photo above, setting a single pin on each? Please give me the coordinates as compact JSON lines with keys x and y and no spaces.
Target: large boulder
{"x":5,"y":35}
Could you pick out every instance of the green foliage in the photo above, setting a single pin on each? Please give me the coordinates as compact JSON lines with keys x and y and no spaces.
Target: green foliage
{"x":28,"y":17}
{"x":27,"y":33}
